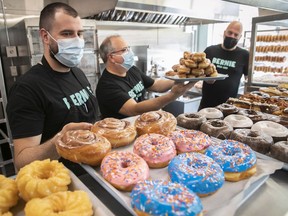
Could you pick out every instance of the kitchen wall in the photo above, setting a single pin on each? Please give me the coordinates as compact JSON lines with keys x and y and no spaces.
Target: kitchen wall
{"x":164,"y":45}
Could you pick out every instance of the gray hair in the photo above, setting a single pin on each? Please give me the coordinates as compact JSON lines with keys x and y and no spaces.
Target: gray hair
{"x":106,"y":47}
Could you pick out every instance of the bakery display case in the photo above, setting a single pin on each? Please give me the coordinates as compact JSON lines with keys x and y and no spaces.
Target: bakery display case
{"x":268,"y":62}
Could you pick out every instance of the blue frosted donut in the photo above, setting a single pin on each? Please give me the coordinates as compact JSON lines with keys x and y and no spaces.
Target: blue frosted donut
{"x":197,"y":172}
{"x":164,"y":198}
{"x":233,"y":157}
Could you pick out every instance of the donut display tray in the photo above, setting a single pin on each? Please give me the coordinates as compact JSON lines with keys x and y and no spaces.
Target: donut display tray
{"x":177,"y":79}
{"x":99,"y":208}
{"x":223,"y":199}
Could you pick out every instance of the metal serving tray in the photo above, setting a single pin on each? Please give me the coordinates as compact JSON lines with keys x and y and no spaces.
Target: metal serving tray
{"x":220,"y":199}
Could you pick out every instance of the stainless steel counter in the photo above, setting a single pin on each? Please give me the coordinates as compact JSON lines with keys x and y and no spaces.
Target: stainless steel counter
{"x":270,"y":199}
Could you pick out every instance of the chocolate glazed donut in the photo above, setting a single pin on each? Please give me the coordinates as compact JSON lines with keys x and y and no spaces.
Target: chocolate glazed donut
{"x":217,"y":128}
{"x":190,"y":120}
{"x":257,"y":140}
{"x":227,"y":109}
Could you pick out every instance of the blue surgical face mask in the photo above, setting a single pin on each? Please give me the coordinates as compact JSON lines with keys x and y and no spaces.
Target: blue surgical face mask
{"x":70,"y":51}
{"x":128,"y":59}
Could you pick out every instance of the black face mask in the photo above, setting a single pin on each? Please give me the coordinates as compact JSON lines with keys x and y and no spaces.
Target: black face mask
{"x":230,"y":42}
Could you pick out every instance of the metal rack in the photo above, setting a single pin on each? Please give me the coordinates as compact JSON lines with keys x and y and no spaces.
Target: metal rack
{"x":6,"y":146}
{"x":273,"y":25}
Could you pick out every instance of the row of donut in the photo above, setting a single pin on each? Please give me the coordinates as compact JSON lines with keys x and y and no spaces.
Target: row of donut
{"x":270,"y":58}
{"x":202,"y":174}
{"x":43,"y":185}
{"x":193,"y":65}
{"x":156,"y":146}
{"x":247,"y":126}
{"x":271,"y":48}
{"x":193,"y":161}
{"x":271,"y":38}
{"x":271,"y":69}
{"x":266,"y":107}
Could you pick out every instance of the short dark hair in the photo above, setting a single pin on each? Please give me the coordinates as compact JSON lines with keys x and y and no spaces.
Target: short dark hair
{"x":106,"y":47}
{"x":48,"y":13}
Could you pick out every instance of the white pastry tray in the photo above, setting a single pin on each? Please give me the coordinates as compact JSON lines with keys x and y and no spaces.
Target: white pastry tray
{"x":229,"y":197}
{"x":177,"y":79}
{"x":99,"y":209}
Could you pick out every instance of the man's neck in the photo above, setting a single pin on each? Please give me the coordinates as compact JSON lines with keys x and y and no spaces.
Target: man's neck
{"x":55,"y":65}
{"x":233,"y":48}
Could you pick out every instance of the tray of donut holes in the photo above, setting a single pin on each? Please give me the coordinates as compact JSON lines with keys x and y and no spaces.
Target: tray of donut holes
{"x":62,"y":190}
{"x":194,"y":67}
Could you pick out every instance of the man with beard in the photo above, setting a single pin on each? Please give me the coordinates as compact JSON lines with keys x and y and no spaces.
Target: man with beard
{"x":54,"y":95}
{"x":228,"y":59}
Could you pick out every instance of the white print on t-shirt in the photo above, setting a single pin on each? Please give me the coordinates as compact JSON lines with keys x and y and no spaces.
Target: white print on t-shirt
{"x":222,"y":63}
{"x":136,"y":91}
{"x":78,"y":98}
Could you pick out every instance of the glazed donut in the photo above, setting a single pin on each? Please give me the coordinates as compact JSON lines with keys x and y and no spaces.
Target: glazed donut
{"x":190,"y":141}
{"x":280,"y":151}
{"x":277,"y":131}
{"x":227,"y":109}
{"x":64,"y":203}
{"x":119,"y":132}
{"x":42,"y":178}
{"x":198,"y":56}
{"x":124,"y":169}
{"x":217,"y":128}
{"x":8,"y":213}
{"x":187,"y":55}
{"x":190,"y":63}
{"x":256,"y":140}
{"x":8,"y":193}
{"x":170,"y":73}
{"x":175,"y":67}
{"x":190,"y":120}
{"x":82,"y":146}
{"x":164,"y":198}
{"x":238,"y":121}
{"x":211,"y":113}
{"x":156,"y":149}
{"x":183,"y":70}
{"x":204,"y":64}
{"x":237,"y":160}
{"x":160,"y":122}
{"x":197,"y":72}
{"x":211,"y":69}
{"x":197,"y":172}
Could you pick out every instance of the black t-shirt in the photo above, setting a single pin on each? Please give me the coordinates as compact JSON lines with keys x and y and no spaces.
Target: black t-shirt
{"x":114,"y":91}
{"x":235,"y":64}
{"x":42,"y":101}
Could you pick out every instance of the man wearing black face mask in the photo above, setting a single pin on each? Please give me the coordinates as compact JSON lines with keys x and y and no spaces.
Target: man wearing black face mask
{"x":228,"y":59}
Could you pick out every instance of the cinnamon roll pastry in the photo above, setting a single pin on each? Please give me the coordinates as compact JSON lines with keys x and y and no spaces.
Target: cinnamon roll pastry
{"x":82,"y":146}
{"x":119,"y":132}
{"x":160,"y":122}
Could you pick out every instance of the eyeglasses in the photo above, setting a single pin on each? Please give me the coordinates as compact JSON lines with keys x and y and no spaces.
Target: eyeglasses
{"x":125,"y":49}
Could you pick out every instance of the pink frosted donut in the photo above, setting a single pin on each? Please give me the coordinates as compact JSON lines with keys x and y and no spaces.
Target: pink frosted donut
{"x":124,"y":169}
{"x":156,"y":149}
{"x":190,"y":141}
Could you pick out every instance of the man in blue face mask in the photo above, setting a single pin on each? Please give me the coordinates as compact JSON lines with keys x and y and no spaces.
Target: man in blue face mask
{"x":121,"y":87}
{"x":228,"y":59}
{"x":53,"y":93}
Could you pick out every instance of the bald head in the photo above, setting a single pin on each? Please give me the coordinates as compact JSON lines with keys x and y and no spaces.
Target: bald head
{"x":236,"y":25}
